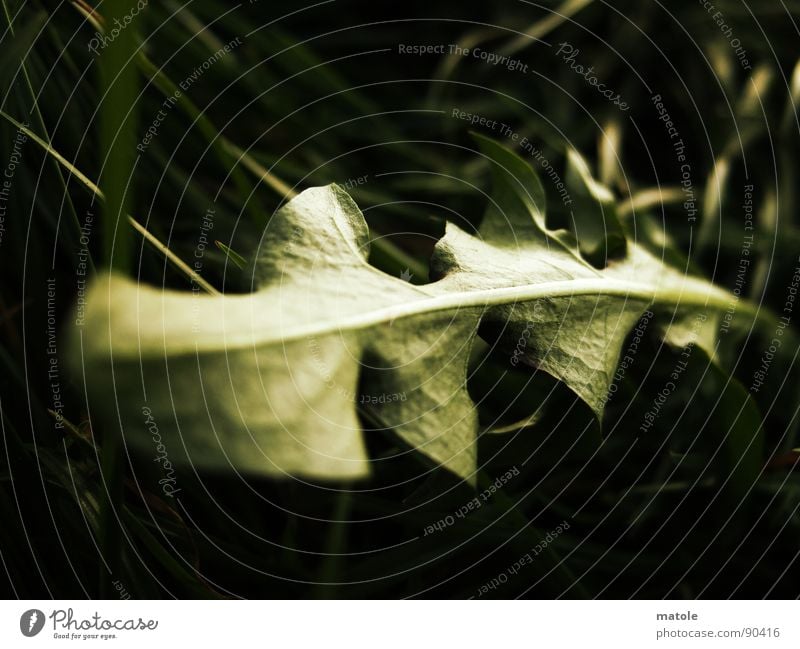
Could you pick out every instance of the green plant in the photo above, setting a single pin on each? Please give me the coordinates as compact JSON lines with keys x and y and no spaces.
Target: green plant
{"x":656,"y":453}
{"x":269,"y":382}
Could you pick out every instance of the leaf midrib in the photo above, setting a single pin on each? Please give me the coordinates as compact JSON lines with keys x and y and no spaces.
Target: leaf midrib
{"x":691,"y":294}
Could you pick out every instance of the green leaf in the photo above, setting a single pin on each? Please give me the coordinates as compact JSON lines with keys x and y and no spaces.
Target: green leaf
{"x":272,"y":382}
{"x":595,"y":222}
{"x":268,"y":382}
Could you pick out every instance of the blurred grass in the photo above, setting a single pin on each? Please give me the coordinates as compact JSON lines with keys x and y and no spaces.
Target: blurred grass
{"x":322,"y":95}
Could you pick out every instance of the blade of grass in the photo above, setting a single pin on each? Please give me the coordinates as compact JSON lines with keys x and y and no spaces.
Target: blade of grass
{"x":118,"y":111}
{"x":536,"y":31}
{"x":84,"y":180}
{"x":384,"y":248}
{"x":72,"y":235}
{"x":213,"y":137}
{"x":335,"y":548}
{"x":233,"y":154}
{"x":235,"y":258}
{"x":13,"y":56}
{"x":648,"y":198}
{"x":541,"y":28}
